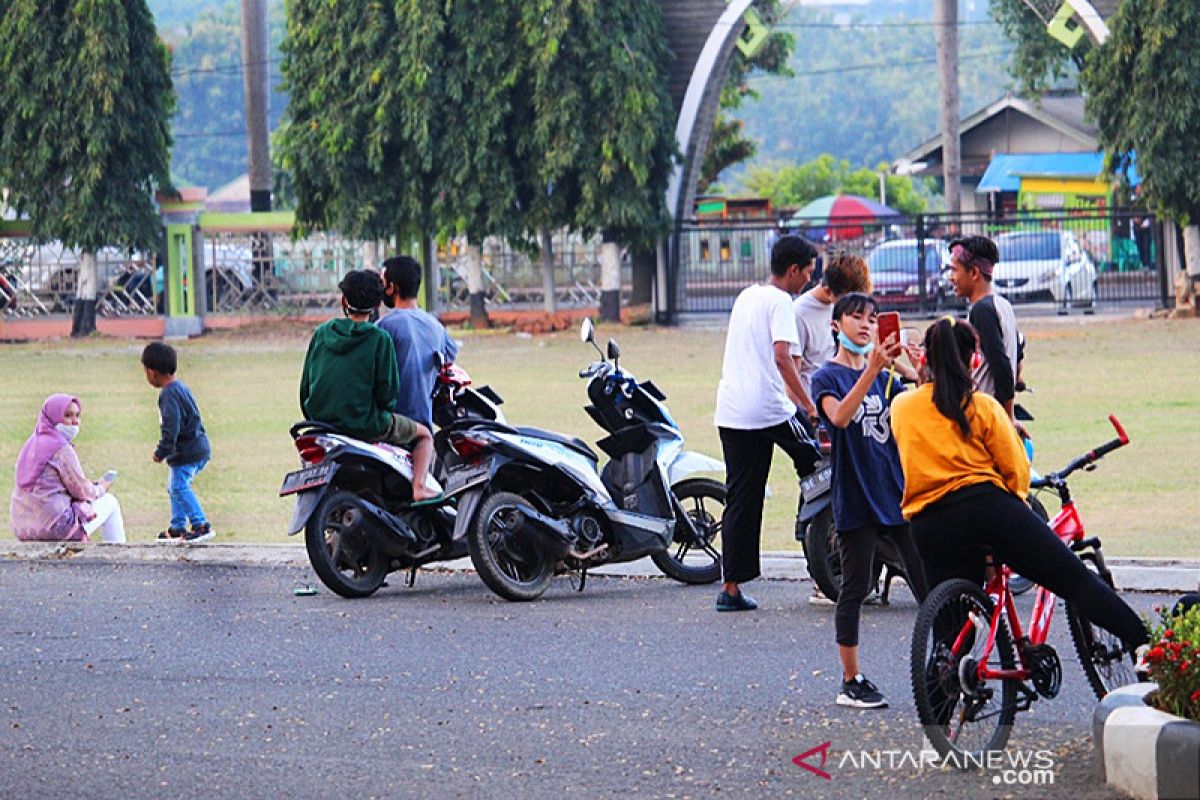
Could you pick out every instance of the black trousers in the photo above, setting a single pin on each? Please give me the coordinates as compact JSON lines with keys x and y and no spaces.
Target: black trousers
{"x":747,"y":464}
{"x":953,"y":533}
{"x":857,"y":550}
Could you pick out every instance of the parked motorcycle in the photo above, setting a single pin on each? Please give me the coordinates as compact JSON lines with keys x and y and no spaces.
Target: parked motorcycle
{"x":533,"y":503}
{"x":816,"y":532}
{"x":354,"y":498}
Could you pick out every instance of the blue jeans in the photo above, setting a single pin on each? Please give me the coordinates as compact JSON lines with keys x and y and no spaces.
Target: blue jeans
{"x":185,"y":505}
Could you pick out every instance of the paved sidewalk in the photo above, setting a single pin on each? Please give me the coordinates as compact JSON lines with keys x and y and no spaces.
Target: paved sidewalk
{"x":1130,"y":574}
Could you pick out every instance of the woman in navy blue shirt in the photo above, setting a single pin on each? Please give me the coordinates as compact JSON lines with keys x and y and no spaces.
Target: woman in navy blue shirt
{"x":853,"y":397}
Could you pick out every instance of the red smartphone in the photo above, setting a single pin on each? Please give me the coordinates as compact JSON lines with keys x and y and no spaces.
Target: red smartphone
{"x":889,"y":324}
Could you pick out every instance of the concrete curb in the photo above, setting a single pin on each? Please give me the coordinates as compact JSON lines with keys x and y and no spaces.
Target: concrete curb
{"x":1143,"y":751}
{"x":1130,"y":574}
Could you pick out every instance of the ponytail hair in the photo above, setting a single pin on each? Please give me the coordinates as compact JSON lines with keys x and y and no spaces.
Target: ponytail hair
{"x":949,"y":346}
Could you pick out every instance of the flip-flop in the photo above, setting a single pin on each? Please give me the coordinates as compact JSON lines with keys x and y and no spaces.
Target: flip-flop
{"x":441,"y":499}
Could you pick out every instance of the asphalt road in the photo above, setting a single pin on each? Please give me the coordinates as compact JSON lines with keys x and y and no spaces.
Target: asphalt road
{"x":132,"y":681}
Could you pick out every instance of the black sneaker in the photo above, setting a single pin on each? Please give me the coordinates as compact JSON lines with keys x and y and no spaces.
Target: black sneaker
{"x":860,"y":693}
{"x":171,"y":535}
{"x":199,"y":533}
{"x":735,"y":602}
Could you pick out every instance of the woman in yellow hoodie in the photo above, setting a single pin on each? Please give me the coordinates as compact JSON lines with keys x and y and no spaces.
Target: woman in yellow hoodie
{"x":966,"y":477}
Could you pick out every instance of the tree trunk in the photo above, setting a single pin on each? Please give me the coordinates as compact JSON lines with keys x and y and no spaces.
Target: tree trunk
{"x":370,"y":254}
{"x":549,"y":299}
{"x":610,"y":281}
{"x":645,"y":265}
{"x":1191,"y":260}
{"x":475,"y":292}
{"x":945,"y":21}
{"x":83,"y":320}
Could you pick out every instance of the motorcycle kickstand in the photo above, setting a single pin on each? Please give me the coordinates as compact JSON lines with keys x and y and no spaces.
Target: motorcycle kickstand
{"x":412,"y":576}
{"x":582,"y":580}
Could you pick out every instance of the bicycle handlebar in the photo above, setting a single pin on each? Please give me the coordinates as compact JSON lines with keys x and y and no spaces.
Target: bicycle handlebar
{"x":1088,"y":458}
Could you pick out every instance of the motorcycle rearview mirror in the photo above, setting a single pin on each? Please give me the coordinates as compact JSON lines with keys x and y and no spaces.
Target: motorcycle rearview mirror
{"x":587,"y":331}
{"x":614,"y":352}
{"x":439,"y":360}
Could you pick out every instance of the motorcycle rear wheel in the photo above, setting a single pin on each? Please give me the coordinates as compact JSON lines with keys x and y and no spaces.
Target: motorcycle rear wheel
{"x":341,"y":549}
{"x":824,"y":559}
{"x":508,"y":562}
{"x":703,"y":500}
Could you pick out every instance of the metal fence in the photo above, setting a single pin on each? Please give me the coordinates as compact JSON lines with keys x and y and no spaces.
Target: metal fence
{"x":1066,"y":260}
{"x":254,"y":273}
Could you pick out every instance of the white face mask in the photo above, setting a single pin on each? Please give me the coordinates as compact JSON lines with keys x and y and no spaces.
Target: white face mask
{"x":69,"y":431}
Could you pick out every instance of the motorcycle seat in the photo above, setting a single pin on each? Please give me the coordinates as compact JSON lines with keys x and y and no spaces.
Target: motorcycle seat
{"x":573,"y":442}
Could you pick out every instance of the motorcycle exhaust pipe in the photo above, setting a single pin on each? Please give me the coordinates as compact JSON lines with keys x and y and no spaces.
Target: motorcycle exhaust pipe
{"x":393,"y":526}
{"x":549,"y":534}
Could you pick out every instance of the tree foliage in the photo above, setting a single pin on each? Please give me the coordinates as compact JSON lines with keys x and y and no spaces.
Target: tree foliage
{"x":85,"y":109}
{"x":1039,"y":61}
{"x":729,"y":144}
{"x":791,"y":186}
{"x":1143,"y":89}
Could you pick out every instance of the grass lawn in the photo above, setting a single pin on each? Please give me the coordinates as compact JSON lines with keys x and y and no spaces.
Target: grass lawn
{"x":1141,"y":500}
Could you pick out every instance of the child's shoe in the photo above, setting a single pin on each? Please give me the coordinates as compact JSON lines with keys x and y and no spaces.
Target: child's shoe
{"x":171,"y":536}
{"x":199,"y":533}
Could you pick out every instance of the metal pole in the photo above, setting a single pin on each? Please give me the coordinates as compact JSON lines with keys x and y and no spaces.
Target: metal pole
{"x":255,"y":50}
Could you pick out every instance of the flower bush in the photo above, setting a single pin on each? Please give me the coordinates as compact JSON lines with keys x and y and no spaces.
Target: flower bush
{"x":1174,"y":659}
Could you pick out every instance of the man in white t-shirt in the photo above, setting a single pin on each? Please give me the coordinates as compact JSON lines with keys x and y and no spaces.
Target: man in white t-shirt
{"x":756,"y":409}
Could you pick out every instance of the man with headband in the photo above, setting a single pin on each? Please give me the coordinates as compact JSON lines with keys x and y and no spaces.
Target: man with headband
{"x":350,"y":379}
{"x":972,"y":259}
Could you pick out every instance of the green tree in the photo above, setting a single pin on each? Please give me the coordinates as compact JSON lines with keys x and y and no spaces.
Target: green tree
{"x":1039,"y":61}
{"x":792,"y":186}
{"x":1143,"y":89}
{"x":86,"y":93}
{"x":728,"y":144}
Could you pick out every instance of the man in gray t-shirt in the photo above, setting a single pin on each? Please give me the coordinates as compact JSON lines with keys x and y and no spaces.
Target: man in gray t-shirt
{"x":417,"y":336}
{"x":843,"y":274}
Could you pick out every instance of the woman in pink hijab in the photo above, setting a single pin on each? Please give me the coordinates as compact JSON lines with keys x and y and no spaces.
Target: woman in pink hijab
{"x":53,"y":500}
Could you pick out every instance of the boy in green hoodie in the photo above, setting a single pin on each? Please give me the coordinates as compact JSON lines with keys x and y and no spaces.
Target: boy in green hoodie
{"x":351,"y":382}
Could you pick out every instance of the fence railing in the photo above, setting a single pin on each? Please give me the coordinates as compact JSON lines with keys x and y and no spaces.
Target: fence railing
{"x":269,"y":272}
{"x":1068,"y":259}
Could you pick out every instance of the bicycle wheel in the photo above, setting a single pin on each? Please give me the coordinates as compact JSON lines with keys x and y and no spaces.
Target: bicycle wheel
{"x":1102,"y":655}
{"x":964,"y":717}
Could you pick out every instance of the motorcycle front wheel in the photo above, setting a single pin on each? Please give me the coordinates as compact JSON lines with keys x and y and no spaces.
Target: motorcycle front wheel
{"x":507,"y":560}
{"x":341,"y":549}
{"x":695,"y":558}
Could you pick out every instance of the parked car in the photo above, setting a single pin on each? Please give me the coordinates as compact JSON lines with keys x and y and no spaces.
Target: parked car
{"x":895,"y":274}
{"x":1040,"y":264}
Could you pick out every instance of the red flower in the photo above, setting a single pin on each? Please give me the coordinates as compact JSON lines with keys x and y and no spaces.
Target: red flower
{"x":1168,"y":634}
{"x":1184,"y":666}
{"x":1155,"y":653}
{"x":1196,"y":696}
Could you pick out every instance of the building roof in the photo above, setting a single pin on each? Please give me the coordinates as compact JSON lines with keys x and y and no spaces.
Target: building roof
{"x":1006,"y":170}
{"x":1062,"y":111}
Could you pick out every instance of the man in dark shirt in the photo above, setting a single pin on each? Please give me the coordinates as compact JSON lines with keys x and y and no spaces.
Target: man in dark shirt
{"x":972,"y":260}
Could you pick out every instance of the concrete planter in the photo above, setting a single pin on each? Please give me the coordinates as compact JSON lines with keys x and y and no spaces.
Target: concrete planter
{"x":1145,"y":752}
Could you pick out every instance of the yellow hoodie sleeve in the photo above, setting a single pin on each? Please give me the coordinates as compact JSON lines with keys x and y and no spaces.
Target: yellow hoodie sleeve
{"x":1001,"y":440}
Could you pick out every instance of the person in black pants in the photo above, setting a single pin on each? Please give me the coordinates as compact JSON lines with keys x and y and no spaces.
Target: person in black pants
{"x":854,"y":399}
{"x":966,"y":478}
{"x":756,"y":409}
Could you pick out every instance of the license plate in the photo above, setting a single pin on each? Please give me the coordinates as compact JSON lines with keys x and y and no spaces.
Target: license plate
{"x":308,"y":478}
{"x":816,"y":484}
{"x":463,"y":476}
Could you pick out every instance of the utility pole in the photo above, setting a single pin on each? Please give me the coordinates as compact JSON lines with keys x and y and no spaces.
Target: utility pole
{"x":945,"y":27}
{"x":255,"y":76}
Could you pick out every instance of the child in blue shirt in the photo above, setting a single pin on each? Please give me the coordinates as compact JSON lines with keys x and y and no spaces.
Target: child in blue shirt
{"x":183,"y":444}
{"x":853,"y":397}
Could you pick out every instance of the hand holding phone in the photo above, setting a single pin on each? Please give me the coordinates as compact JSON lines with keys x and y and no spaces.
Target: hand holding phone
{"x":889,"y":325}
{"x":109,"y":476}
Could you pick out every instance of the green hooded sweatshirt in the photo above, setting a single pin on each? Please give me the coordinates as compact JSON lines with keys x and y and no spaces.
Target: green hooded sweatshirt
{"x":350,"y":378}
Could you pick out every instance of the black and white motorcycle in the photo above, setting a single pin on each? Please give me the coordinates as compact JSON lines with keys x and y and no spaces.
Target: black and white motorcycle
{"x":533,"y":503}
{"x":354,"y":498}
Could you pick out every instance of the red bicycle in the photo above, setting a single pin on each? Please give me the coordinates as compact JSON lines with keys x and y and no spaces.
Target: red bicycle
{"x":971,"y":674}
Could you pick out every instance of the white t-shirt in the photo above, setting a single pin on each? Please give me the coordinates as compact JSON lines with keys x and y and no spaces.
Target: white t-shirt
{"x":814,"y":319}
{"x":751,"y":394}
